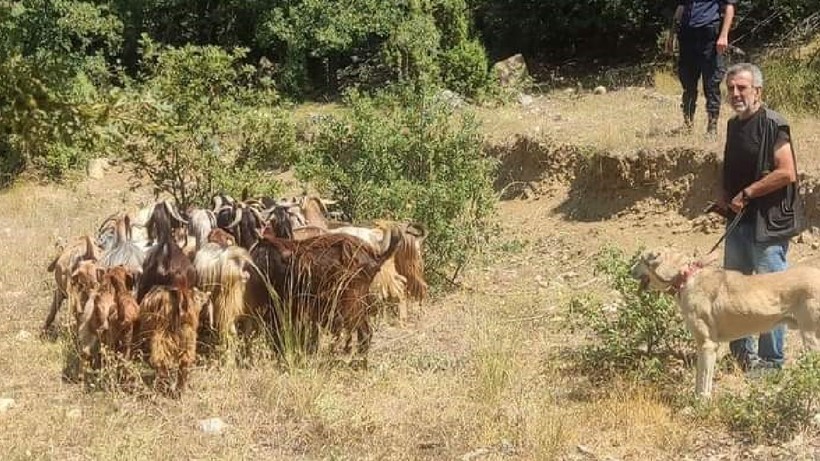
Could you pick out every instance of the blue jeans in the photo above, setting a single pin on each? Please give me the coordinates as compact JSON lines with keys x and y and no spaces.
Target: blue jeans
{"x":746,"y":255}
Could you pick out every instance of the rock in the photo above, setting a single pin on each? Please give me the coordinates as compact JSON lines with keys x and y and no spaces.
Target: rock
{"x":586,"y":451}
{"x":6,"y":404}
{"x":805,"y":237}
{"x":97,"y":167}
{"x":511,"y":71}
{"x":475,"y":454}
{"x":599,"y":90}
{"x":23,"y":335}
{"x":451,"y":98}
{"x":525,"y":99}
{"x":212,"y":425}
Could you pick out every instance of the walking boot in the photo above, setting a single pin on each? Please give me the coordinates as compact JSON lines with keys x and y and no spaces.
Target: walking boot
{"x":711,"y":126}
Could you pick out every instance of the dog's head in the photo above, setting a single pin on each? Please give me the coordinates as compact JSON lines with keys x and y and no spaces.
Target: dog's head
{"x":657,"y":268}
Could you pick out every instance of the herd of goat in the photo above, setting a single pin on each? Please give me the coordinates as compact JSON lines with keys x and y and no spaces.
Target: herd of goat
{"x":157,"y":282}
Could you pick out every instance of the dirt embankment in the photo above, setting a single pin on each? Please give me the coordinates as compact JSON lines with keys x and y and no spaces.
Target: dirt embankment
{"x":602,"y":185}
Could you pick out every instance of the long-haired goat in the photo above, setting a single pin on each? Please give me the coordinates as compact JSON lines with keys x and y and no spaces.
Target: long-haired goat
{"x":122,"y":251}
{"x":402,"y":277}
{"x":165,"y":264}
{"x":322,"y":280}
{"x":223,"y":270}
{"x":168,"y":323}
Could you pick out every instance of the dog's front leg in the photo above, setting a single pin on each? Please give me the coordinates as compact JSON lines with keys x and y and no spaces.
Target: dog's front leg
{"x":707,"y":356}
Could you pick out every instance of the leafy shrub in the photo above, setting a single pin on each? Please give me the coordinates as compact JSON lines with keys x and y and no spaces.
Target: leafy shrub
{"x":640,"y":336}
{"x":792,"y":83}
{"x":464,"y":68}
{"x":330,"y":46}
{"x":190,"y":129}
{"x":53,"y":71}
{"x":779,"y":405}
{"x":407,"y":157}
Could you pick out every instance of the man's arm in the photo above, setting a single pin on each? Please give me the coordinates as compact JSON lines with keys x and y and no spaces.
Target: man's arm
{"x":783,"y":174}
{"x":723,"y":38}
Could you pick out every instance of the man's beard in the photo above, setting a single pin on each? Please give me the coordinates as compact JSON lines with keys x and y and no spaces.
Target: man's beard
{"x":740,"y":106}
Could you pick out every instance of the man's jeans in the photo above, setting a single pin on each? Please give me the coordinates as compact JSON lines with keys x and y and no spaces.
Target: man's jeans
{"x":745,"y":255}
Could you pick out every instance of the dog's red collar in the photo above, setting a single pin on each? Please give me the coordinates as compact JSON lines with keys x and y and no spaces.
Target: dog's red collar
{"x":683,"y":276}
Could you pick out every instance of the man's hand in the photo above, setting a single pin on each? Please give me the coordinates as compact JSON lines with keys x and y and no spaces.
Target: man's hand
{"x":739,"y":201}
{"x":722,"y":44}
{"x":718,"y":208}
{"x":669,"y":46}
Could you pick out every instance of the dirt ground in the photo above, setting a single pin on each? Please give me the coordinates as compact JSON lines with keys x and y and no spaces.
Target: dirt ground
{"x":477,"y":373}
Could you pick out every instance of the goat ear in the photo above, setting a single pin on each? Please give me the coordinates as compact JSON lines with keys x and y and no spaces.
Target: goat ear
{"x":129,"y":280}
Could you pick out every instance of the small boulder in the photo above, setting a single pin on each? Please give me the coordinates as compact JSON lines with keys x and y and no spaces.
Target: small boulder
{"x":599,"y":90}
{"x":7,"y":404}
{"x":511,"y":71}
{"x":97,"y":167}
{"x":212,"y":425}
{"x":525,"y":99}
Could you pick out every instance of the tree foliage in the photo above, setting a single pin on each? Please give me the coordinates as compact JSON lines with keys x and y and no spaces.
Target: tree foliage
{"x":407,"y":157}
{"x":54,"y":64}
{"x":199,"y":125}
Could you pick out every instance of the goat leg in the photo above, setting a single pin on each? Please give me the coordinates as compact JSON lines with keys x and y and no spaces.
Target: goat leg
{"x":56,"y":302}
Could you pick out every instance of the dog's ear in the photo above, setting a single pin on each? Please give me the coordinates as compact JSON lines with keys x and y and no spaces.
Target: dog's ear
{"x":651,"y":258}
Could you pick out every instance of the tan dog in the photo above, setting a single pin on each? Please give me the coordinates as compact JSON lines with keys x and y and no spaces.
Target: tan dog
{"x":720,"y":305}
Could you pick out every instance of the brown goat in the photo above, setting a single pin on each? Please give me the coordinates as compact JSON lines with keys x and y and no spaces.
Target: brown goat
{"x":108,"y":314}
{"x":165,"y":264}
{"x":321,"y":281}
{"x":168,"y":323}
{"x":63,"y":266}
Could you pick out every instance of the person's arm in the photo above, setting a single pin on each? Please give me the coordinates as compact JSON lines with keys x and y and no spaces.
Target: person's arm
{"x":783,"y":174}
{"x":676,"y":18}
{"x":723,"y":37}
{"x":670,"y":39}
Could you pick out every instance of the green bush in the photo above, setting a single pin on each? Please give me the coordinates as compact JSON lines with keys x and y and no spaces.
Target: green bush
{"x":464,"y":68}
{"x":777,"y":406}
{"x":407,"y":156}
{"x":641,"y":336}
{"x":330,"y":46}
{"x":197,"y":125}
{"x":53,"y":72}
{"x":792,"y":84}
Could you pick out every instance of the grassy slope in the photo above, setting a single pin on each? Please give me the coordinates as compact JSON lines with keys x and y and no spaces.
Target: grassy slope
{"x":481,"y":371}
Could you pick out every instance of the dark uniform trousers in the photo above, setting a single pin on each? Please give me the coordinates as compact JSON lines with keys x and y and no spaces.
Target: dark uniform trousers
{"x":699,"y":59}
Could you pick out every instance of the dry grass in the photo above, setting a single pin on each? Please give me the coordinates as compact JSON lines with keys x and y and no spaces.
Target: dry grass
{"x":468,"y":375}
{"x":629,"y":119}
{"x":481,"y":371}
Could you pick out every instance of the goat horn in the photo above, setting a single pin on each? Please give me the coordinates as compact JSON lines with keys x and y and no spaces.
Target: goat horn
{"x":257,"y":214}
{"x":107,"y":220}
{"x":236,"y":219}
{"x":254,"y":203}
{"x":230,"y":199}
{"x":211,"y":217}
{"x":173,"y":210}
{"x":217,"y":201}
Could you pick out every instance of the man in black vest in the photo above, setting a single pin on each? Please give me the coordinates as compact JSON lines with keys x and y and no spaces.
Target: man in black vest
{"x":703,"y":36}
{"x":759,"y":181}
